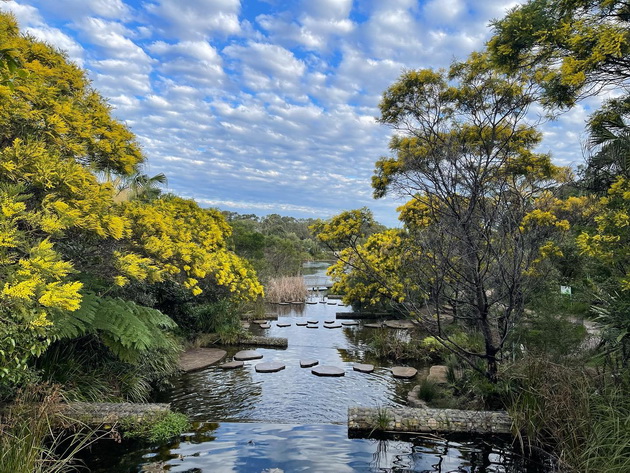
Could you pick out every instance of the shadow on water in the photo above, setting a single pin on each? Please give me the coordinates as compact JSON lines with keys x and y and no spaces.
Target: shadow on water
{"x":293,"y":421}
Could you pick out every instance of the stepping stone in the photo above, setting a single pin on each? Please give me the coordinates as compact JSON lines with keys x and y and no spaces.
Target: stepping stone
{"x":438,"y":374}
{"x":198,"y":358}
{"x":404,"y":372}
{"x":283,"y":324}
{"x":297,"y":302}
{"x":328,"y":371}
{"x":232,"y":365}
{"x":399,"y":324}
{"x":363,"y":368}
{"x":311,"y":302}
{"x":265,"y":325}
{"x":331,"y":303}
{"x":329,"y":321}
{"x":283,"y":303}
{"x":245,"y":355}
{"x":322,"y":302}
{"x":313,"y":321}
{"x":301,"y":324}
{"x":332,"y":326}
{"x":312,"y":326}
{"x":373,"y":326}
{"x":349,"y":324}
{"x":270,"y":367}
{"x":308,"y":363}
{"x":260,"y":321}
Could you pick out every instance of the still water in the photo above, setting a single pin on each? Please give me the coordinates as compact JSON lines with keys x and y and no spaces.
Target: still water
{"x":294,"y":421}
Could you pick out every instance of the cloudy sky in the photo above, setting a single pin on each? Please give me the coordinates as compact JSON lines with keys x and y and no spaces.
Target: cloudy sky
{"x":267,"y":106}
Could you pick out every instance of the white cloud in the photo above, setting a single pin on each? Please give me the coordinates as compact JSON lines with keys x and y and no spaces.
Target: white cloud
{"x":195,"y":19}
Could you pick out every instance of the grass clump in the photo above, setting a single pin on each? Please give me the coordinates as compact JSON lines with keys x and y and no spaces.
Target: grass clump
{"x":155,"y":428}
{"x":286,"y":289}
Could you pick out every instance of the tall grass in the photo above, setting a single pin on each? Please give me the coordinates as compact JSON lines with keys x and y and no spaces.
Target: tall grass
{"x":28,"y":440}
{"x":584,"y":423}
{"x":286,"y":289}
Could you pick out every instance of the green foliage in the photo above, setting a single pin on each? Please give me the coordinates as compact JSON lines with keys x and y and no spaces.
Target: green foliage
{"x":428,"y":391}
{"x":155,"y":428}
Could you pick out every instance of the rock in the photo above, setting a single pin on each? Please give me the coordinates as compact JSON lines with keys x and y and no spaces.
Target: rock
{"x":332,"y":326}
{"x":245,"y":355}
{"x":414,"y":400}
{"x":283,"y":324}
{"x":373,"y":325}
{"x":350,"y":323}
{"x":232,"y":365}
{"x":328,"y":371}
{"x":198,"y":358}
{"x":438,"y":374}
{"x":301,"y":324}
{"x":399,"y":324}
{"x":313,"y":321}
{"x":270,"y":367}
{"x":404,"y":372}
{"x":265,"y":326}
{"x":308,"y":363}
{"x":245,"y":324}
{"x":363,"y":368}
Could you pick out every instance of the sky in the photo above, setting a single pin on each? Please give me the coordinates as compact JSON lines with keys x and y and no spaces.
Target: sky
{"x":269,"y":106}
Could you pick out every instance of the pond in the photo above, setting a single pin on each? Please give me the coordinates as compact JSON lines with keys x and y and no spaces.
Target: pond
{"x":294,"y":421}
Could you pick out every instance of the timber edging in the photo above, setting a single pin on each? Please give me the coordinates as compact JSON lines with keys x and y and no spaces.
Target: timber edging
{"x":424,"y":420}
{"x":264,"y":341}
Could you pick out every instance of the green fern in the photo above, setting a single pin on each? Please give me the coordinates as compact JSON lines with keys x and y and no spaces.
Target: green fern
{"x":126,"y":328}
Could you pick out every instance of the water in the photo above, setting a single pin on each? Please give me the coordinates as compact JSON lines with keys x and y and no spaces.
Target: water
{"x":294,"y":421}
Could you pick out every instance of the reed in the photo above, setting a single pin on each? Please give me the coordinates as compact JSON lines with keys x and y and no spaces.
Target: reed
{"x":286,"y":289}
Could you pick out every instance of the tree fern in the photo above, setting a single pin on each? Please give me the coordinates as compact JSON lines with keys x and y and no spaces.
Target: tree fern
{"x":129,"y":330}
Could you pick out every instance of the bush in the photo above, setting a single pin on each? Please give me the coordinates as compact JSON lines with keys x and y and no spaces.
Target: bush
{"x":156,"y":428}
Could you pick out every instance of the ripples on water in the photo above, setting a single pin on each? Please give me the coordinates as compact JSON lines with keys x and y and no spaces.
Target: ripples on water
{"x":293,"y":421}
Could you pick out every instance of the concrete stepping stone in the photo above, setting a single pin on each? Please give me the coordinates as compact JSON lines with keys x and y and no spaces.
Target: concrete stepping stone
{"x":438,"y":374}
{"x":245,"y":355}
{"x":260,"y":321}
{"x":311,"y":302}
{"x":269,"y":367}
{"x":373,"y":326}
{"x":308,"y":363}
{"x":350,"y":323}
{"x":297,"y":302}
{"x":283,"y":303}
{"x":301,"y":324}
{"x":232,"y":365}
{"x":312,"y":326}
{"x":363,"y":367}
{"x":331,"y":303}
{"x":399,"y":324}
{"x":322,"y":302}
{"x":266,"y":325}
{"x":404,"y":372}
{"x":283,"y":324}
{"x":198,"y":358}
{"x":313,"y":321}
{"x":329,"y":321}
{"x":328,"y":371}
{"x":333,"y":326}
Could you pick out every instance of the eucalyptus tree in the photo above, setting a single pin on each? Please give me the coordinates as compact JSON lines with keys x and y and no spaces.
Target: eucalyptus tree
{"x":463,"y":155}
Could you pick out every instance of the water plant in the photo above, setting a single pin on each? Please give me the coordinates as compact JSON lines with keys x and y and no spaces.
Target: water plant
{"x":155,"y":428}
{"x":286,"y":289}
{"x":381,"y":419}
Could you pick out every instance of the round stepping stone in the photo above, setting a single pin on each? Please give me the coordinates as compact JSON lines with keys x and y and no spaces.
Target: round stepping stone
{"x":245,"y":355}
{"x":332,"y":326}
{"x":283,"y":303}
{"x":283,"y":324}
{"x":328,"y":371}
{"x":260,"y":321}
{"x":312,"y":326}
{"x":332,"y":303}
{"x":270,"y":367}
{"x":349,"y":324}
{"x":313,"y":321}
{"x":301,"y":324}
{"x":308,"y":363}
{"x":311,"y":302}
{"x":329,"y":321}
{"x":322,"y":302}
{"x":232,"y":365}
{"x":296,"y":302}
{"x":363,"y":367}
{"x":399,"y":324}
{"x":266,"y":325}
{"x":404,"y":372}
{"x":373,"y":326}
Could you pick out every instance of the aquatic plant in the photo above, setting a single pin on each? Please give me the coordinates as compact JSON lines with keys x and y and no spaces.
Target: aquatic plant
{"x":286,"y":289}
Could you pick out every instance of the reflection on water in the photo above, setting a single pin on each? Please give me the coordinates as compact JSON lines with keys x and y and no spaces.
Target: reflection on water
{"x":255,"y":448}
{"x":293,"y":421}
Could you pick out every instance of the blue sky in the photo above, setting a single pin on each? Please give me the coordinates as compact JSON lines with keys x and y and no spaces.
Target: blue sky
{"x":268,"y":106}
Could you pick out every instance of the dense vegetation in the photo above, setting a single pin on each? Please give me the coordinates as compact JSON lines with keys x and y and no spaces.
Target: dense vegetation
{"x":493,"y":230}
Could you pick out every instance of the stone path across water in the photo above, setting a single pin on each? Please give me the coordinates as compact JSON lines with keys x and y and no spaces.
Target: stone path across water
{"x":246,"y":355}
{"x":198,"y":358}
